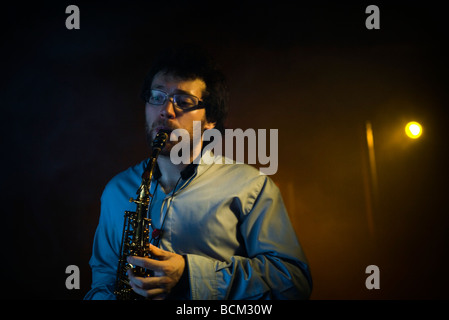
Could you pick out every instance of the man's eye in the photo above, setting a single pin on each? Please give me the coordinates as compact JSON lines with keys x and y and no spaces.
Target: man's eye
{"x":186,"y":102}
{"x":156,"y":98}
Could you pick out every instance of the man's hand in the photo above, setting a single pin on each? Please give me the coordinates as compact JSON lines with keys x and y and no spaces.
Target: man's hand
{"x":168,"y":269}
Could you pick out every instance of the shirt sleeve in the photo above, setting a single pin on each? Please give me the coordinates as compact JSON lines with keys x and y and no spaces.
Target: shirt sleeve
{"x":104,"y":259}
{"x":275,"y":266}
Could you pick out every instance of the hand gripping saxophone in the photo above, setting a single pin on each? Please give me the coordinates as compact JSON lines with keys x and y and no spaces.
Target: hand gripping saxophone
{"x":135,"y":237}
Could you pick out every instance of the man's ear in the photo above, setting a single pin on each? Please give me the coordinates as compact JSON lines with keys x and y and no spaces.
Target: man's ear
{"x":209,"y":125}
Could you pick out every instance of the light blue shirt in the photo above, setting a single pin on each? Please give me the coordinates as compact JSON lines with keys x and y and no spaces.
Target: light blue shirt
{"x":228,"y":220}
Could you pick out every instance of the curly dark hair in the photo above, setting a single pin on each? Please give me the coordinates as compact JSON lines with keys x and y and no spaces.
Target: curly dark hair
{"x":190,"y":62}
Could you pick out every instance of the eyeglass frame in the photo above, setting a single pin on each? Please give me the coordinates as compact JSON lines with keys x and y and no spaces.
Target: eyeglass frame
{"x":172,"y":98}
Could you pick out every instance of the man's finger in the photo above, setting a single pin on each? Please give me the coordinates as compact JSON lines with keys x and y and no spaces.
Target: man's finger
{"x":145,"y":283}
{"x":156,"y":292}
{"x":157,"y":252}
{"x":146,"y":263}
{"x":133,"y":280}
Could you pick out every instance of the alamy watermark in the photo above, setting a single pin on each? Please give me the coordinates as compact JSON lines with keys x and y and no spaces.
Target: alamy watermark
{"x":73,"y":20}
{"x":373,"y":280}
{"x":256,"y":147}
{"x":73,"y":280}
{"x":373,"y":20}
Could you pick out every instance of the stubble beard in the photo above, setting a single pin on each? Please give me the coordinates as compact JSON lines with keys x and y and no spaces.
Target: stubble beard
{"x":150,"y":135}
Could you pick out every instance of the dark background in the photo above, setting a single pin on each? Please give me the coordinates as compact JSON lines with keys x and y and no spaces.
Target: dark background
{"x":72,"y":118}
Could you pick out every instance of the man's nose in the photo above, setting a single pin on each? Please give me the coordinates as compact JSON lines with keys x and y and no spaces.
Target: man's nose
{"x":168,"y":109}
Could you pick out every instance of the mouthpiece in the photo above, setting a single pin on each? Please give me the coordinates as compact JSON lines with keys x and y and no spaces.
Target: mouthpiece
{"x":160,"y":140}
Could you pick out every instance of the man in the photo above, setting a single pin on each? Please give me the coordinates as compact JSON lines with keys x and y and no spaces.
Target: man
{"x":222,"y":229}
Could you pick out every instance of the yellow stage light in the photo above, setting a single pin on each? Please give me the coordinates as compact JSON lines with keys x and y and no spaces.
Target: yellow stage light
{"x":413,"y":130}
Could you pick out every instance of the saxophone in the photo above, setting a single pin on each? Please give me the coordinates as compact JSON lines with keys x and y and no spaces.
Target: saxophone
{"x":135,"y":236}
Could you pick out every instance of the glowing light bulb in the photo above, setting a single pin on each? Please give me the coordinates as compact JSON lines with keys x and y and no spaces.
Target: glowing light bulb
{"x":413,"y":130}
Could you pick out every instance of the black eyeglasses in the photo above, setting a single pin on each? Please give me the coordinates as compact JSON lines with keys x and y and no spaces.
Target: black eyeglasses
{"x":182,"y":101}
